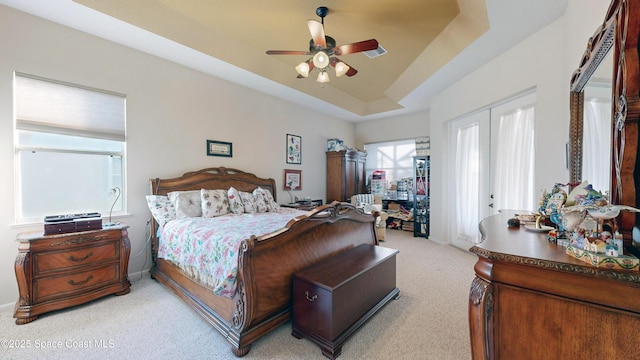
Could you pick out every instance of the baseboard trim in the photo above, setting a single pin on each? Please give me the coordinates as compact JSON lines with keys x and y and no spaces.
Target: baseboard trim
{"x":8,"y":306}
{"x":138,"y":275}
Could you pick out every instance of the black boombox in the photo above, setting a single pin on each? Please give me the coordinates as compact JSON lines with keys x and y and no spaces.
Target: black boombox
{"x":60,"y":224}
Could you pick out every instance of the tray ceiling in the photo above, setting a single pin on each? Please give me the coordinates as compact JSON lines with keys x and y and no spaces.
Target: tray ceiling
{"x":422,"y":39}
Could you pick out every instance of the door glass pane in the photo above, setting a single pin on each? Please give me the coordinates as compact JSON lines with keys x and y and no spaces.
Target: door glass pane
{"x":467,"y":169}
{"x":513,"y":155}
{"x":513,"y":175}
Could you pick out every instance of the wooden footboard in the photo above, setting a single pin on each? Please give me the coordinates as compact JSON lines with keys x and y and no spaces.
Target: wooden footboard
{"x":262,"y":300}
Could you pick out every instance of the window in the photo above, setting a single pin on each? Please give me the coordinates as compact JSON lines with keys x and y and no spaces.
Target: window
{"x":395,"y":158}
{"x":69,"y":146}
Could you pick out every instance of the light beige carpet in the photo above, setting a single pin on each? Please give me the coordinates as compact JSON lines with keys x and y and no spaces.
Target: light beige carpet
{"x":428,"y":321}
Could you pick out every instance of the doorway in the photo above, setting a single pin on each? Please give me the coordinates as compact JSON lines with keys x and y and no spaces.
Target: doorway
{"x":493,"y":165}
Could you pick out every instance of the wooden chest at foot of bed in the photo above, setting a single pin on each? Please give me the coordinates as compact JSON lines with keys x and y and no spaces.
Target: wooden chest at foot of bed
{"x":333,"y":298}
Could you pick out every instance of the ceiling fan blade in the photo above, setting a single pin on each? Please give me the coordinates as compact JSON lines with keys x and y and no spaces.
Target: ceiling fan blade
{"x":352,"y":71}
{"x":287,"y":52}
{"x":349,"y":72}
{"x":317,"y":33}
{"x":366,"y":45}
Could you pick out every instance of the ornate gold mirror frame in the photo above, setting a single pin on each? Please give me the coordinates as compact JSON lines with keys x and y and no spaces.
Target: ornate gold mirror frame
{"x":619,"y":33}
{"x":598,"y":47}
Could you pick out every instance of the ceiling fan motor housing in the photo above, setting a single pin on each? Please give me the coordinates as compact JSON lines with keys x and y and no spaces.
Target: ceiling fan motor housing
{"x":331,"y":43}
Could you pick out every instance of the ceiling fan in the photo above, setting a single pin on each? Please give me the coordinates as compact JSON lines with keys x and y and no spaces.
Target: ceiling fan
{"x":324,"y":51}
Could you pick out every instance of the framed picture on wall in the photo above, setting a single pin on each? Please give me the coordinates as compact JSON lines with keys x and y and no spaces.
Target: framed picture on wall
{"x":219,"y":148}
{"x":294,"y":149}
{"x":292,"y":179}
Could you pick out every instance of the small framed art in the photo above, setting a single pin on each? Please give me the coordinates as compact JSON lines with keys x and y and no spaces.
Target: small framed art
{"x":219,"y":148}
{"x":294,"y":149}
{"x":292,"y":179}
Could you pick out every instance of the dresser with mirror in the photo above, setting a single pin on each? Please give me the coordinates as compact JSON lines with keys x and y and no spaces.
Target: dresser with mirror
{"x":529,"y":299}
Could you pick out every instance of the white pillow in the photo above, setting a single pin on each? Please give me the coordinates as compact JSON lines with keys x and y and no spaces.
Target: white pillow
{"x":235,"y":201}
{"x":268,"y":199}
{"x":214,"y":203}
{"x":187,"y":203}
{"x":261,"y":202}
{"x":367,"y":208}
{"x":248,"y":201}
{"x":161,"y":208}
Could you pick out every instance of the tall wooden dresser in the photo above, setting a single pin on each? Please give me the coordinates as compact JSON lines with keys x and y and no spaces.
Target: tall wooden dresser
{"x":345,"y":174}
{"x":59,"y":271}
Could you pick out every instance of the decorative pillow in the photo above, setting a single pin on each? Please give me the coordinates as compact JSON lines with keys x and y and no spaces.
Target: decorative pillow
{"x":268,"y":197}
{"x":261,"y":202}
{"x":248,"y":202}
{"x":214,"y":203}
{"x":235,"y":202}
{"x":161,"y":208}
{"x":187,"y":203}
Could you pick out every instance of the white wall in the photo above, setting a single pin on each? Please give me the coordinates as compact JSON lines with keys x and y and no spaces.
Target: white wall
{"x":398,"y":128}
{"x":544,"y":61}
{"x":171,"y":112}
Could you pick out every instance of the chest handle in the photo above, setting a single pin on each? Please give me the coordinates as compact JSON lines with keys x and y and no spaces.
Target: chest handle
{"x":312,"y":298}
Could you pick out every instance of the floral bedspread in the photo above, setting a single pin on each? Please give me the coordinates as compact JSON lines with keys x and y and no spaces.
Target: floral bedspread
{"x":207,"y":248}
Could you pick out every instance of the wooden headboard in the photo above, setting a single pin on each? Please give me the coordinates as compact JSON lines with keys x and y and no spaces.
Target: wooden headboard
{"x":213,"y":178}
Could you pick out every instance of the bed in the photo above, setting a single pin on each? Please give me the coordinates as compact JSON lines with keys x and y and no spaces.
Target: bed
{"x":261,"y":300}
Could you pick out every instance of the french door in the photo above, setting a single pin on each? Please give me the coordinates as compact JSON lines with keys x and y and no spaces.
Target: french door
{"x":493,"y":166}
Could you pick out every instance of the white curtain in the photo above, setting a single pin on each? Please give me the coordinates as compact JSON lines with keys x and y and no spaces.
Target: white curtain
{"x":514,"y":168}
{"x":596,"y":146}
{"x":467,"y":168}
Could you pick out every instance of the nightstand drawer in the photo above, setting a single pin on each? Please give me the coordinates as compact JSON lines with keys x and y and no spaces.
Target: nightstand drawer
{"x":64,"y":259}
{"x":63,"y":285}
{"x":68,"y":241}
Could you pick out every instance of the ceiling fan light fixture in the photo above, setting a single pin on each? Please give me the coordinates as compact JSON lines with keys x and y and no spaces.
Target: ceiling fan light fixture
{"x":323,"y":77}
{"x":303,"y":69}
{"x":321,"y":60}
{"x":341,"y":68}
{"x":324,"y":51}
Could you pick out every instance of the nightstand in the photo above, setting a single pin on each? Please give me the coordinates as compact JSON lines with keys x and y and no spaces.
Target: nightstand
{"x":59,"y":271}
{"x":304,"y":205}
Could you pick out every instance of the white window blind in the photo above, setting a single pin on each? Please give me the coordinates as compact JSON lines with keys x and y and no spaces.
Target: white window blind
{"x":56,"y":107}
